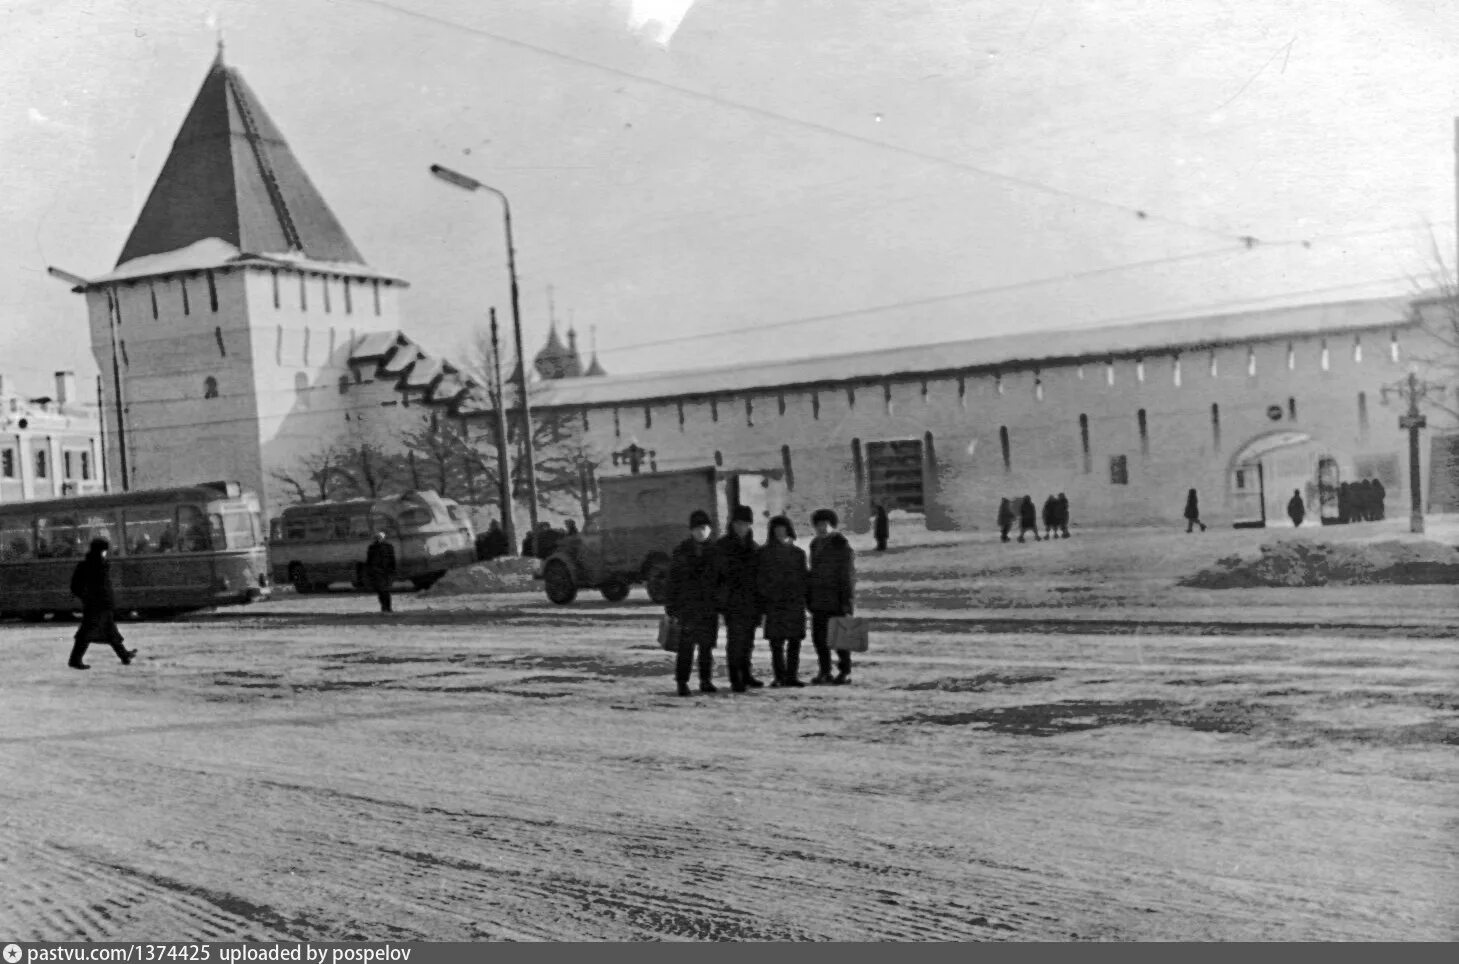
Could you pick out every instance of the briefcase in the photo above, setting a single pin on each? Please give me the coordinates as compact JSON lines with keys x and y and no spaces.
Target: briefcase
{"x":669,"y":630}
{"x":849,"y":633}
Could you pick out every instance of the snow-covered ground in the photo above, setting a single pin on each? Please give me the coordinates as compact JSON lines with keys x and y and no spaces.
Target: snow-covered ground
{"x":491,"y":766}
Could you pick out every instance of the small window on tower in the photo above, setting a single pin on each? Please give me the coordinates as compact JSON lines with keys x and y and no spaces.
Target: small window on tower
{"x":1358,"y":348}
{"x":210,"y":387}
{"x":1393,"y":349}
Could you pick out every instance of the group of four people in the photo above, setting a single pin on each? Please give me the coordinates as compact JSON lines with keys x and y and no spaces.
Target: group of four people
{"x":747,"y":585}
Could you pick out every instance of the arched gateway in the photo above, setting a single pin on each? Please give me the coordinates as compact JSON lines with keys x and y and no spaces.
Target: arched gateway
{"x":1266,"y":470}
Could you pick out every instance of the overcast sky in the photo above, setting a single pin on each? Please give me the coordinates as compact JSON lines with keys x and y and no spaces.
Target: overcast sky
{"x":871,"y":163}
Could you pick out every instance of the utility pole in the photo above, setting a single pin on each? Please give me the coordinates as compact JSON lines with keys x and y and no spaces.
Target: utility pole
{"x":1413,"y":420}
{"x":504,"y":464}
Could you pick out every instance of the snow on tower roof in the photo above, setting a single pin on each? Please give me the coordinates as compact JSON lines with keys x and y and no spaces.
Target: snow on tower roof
{"x":231,"y":176}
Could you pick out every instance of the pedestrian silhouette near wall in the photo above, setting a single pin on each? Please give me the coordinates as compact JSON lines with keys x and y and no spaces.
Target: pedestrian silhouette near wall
{"x":1379,"y":494}
{"x":696,"y":577}
{"x":1006,"y":517}
{"x":881,"y":529}
{"x":91,"y":583}
{"x":1344,"y":504}
{"x":380,"y":570}
{"x":1063,"y":501}
{"x":782,"y":580}
{"x":1028,"y":518}
{"x":1051,"y":517}
{"x":1193,"y":512}
{"x":1296,"y":511}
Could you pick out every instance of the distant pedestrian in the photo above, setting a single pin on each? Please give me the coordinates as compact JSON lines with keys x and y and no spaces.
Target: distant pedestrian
{"x":1051,"y":517}
{"x":696,"y":577}
{"x":1296,"y":511}
{"x":380,"y":570}
{"x":782,"y":581}
{"x":1028,"y":518}
{"x":741,"y":606}
{"x":830,"y":592}
{"x":1063,"y":515}
{"x":1193,"y":512}
{"x":91,"y":583}
{"x":570,"y":528}
{"x":492,"y":543}
{"x":1366,"y":512}
{"x":882,"y":529}
{"x":1379,"y":494}
{"x":1344,"y":503}
{"x":1006,"y":517}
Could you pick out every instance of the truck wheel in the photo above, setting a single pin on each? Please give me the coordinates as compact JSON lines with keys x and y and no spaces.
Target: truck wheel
{"x":561,"y":587}
{"x":300,"y":578}
{"x":658,"y":581}
{"x":614,"y":591}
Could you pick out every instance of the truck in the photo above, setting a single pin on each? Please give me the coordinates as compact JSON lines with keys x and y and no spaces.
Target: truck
{"x":641,"y":518}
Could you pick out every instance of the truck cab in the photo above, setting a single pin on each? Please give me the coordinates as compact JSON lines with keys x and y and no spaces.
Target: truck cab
{"x":642,"y":518}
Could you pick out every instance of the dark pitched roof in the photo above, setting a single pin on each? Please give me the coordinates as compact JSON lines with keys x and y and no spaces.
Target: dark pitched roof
{"x":231,"y":175}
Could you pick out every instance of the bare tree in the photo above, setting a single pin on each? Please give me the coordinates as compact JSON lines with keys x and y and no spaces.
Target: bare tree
{"x":315,"y":477}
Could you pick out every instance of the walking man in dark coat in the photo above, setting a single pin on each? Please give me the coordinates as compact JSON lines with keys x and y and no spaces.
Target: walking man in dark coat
{"x":1051,"y":517}
{"x":782,"y":581}
{"x":380,"y":570}
{"x":1063,"y":506}
{"x":881,"y":529}
{"x":741,"y":597}
{"x":1295,"y":509}
{"x":1028,"y":518}
{"x":1193,"y":512}
{"x":91,"y":583}
{"x":831,"y":592}
{"x":696,"y":577}
{"x":1378,"y":495}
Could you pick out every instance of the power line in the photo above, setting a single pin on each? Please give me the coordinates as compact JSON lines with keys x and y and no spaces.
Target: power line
{"x":1140,"y":213}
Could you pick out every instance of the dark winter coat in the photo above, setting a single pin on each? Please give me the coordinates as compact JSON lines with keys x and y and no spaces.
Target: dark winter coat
{"x":739,"y":598}
{"x":882,"y":529}
{"x":91,"y":583}
{"x":1192,"y":507}
{"x":1006,"y":515}
{"x":380,"y":566}
{"x":1027,"y":515}
{"x":1051,"y":512}
{"x":1062,"y":508}
{"x":782,"y":582}
{"x":1296,"y":511}
{"x":832,"y":584}
{"x":696,"y":581}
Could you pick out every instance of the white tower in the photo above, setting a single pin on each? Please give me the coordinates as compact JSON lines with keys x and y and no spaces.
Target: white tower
{"x":224,"y":333}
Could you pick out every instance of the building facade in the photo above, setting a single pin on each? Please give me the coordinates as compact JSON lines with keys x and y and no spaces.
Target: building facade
{"x":1245,"y":409}
{"x":50,"y":446}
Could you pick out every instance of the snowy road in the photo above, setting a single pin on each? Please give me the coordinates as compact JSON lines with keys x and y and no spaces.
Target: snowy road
{"x":496,"y":768}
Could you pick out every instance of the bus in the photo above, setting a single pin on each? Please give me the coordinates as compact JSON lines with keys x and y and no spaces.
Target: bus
{"x":321,"y":543}
{"x":173,"y":550}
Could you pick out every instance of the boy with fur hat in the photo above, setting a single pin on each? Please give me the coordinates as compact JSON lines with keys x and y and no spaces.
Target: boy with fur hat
{"x":831,"y":592}
{"x":741,"y":607}
{"x":696,"y":578}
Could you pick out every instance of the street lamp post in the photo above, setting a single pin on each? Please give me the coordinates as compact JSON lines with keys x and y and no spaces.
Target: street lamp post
{"x":504,"y":465}
{"x":472,"y":184}
{"x":1413,"y":420}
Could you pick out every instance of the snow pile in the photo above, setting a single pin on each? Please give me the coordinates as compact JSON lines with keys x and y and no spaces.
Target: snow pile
{"x":497,"y":575}
{"x":1301,"y":563}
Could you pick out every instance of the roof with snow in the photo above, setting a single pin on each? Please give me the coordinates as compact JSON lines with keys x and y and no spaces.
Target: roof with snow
{"x":231,"y":176}
{"x":1019,"y":350}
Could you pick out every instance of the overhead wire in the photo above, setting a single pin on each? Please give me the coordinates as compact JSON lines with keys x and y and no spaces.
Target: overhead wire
{"x":1140,"y":213}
